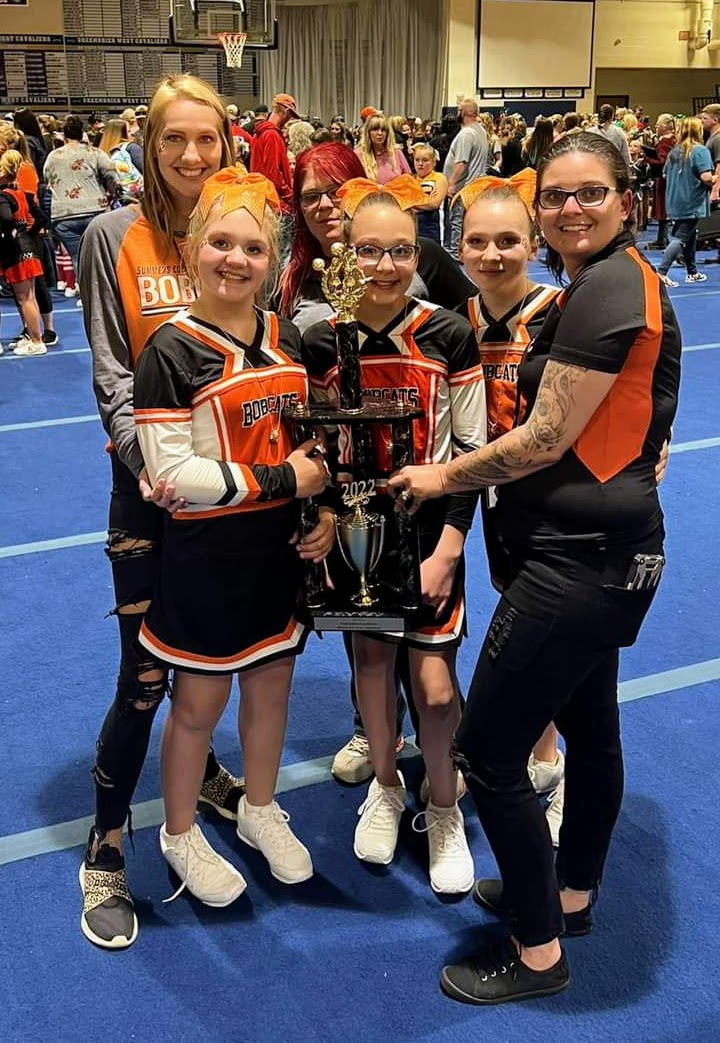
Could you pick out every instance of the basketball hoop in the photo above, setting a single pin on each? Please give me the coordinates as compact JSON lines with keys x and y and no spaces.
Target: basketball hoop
{"x":233,"y":45}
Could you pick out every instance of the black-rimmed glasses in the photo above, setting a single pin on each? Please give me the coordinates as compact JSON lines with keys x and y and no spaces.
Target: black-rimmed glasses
{"x":588,"y":195}
{"x":402,"y":253}
{"x":311,"y":200}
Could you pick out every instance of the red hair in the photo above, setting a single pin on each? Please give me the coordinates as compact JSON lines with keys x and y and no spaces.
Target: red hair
{"x":331,"y":161}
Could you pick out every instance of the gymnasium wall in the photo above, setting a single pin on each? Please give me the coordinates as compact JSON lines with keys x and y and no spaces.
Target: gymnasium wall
{"x":629,"y":47}
{"x":100,"y":54}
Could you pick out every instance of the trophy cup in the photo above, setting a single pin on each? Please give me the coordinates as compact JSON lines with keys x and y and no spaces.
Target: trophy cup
{"x":380,"y":546}
{"x":361,"y":535}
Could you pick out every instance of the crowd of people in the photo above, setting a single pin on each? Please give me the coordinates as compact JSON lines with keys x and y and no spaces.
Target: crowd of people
{"x":206,"y":318}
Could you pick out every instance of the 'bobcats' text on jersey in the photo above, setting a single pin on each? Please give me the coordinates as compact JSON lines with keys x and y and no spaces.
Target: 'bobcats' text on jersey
{"x":209,"y":413}
{"x":502,"y":344}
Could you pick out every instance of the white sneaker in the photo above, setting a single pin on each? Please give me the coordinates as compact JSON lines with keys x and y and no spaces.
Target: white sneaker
{"x":204,"y":872}
{"x":25,"y":346}
{"x":376,"y":833}
{"x":554,"y":811}
{"x":352,"y":764}
{"x":267,"y":830}
{"x":71,"y":291}
{"x":2,"y":350}
{"x":544,"y":776}
{"x":452,"y":870}
{"x":667,"y":280}
{"x":60,"y":285}
{"x":696,"y":277}
{"x":460,"y":788}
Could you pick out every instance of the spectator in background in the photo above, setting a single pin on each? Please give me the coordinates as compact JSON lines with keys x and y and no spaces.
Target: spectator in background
{"x":434,"y":185}
{"x":26,"y":121}
{"x":130,"y":117}
{"x":538,"y":143}
{"x":299,"y":136}
{"x":241,"y":138}
{"x":82,"y":182}
{"x":664,"y":143}
{"x":466,"y":160}
{"x":689,"y":175}
{"x":710,"y":117}
{"x":269,"y":157}
{"x":339,"y":132}
{"x":494,"y":159}
{"x":140,"y":117}
{"x":512,"y":132}
{"x":115,"y":142}
{"x":640,"y":183}
{"x":378,"y":151}
{"x":607,"y":128}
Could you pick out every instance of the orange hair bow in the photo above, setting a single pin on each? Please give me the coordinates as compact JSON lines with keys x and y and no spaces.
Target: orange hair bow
{"x":237,"y":190}
{"x":523,"y":184}
{"x":404,"y":189}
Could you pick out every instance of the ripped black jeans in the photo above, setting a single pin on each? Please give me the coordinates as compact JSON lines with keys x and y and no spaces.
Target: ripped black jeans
{"x":551,"y":654}
{"x":133,"y":548}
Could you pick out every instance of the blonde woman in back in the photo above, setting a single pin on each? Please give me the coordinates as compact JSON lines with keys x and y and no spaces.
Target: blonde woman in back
{"x":378,"y":151}
{"x":688,"y":177}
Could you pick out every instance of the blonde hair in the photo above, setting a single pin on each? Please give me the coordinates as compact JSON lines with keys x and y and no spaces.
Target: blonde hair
{"x":156,"y":203}
{"x":12,"y":138}
{"x":691,"y":134}
{"x":629,"y":123}
{"x":425,"y":150}
{"x":116,"y":131}
{"x":365,"y":148}
{"x":299,"y":136}
{"x":270,"y":228}
{"x":10,"y":163}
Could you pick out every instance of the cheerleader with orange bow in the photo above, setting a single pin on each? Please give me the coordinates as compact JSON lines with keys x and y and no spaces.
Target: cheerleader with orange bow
{"x":412,"y":351}
{"x":499,"y":240}
{"x":210,"y":389}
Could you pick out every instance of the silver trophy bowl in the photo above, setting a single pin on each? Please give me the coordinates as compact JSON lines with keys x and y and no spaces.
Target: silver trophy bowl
{"x":361,"y":535}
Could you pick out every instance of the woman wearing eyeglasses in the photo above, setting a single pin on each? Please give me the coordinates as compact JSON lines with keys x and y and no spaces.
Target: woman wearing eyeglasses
{"x":319,"y":173}
{"x":579,"y":514}
{"x":410,"y":351}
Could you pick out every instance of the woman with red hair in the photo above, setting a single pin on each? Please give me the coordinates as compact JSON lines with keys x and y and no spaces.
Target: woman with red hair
{"x":319,"y":172}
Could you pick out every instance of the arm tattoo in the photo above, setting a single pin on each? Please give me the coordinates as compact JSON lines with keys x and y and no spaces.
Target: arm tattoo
{"x":534,"y":444}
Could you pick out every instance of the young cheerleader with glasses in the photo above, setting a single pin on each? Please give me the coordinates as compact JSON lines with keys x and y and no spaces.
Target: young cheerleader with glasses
{"x":429,"y":356}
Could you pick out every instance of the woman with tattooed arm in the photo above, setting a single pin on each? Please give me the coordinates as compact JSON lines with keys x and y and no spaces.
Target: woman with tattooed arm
{"x":579,"y":514}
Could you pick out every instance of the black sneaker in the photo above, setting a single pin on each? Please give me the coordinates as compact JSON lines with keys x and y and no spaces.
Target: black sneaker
{"x":498,"y":975}
{"x":108,"y":917}
{"x":489,"y":894}
{"x":223,"y":793}
{"x":50,"y":338}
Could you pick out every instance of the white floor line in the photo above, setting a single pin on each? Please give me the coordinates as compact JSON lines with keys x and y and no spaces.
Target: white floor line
{"x":62,"y":836}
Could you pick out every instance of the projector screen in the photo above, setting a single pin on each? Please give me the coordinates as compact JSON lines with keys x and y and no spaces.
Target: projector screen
{"x":535,"y":43}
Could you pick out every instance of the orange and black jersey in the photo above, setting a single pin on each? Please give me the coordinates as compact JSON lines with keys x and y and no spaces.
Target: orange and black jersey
{"x":427,"y":357}
{"x":502,"y":343}
{"x":208,"y":410}
{"x":615,"y":317}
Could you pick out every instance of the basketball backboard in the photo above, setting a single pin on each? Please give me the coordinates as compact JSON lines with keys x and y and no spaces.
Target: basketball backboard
{"x":196,"y":23}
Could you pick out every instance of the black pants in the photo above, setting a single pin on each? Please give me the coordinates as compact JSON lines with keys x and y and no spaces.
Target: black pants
{"x":135,"y":531}
{"x":551,"y":654}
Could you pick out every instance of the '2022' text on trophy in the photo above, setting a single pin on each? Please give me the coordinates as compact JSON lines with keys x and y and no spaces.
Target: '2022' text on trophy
{"x":378,"y":587}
